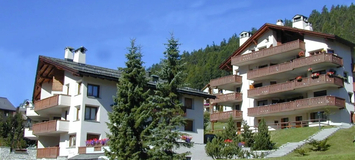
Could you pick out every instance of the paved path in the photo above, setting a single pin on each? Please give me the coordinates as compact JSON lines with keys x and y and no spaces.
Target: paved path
{"x":289,"y":147}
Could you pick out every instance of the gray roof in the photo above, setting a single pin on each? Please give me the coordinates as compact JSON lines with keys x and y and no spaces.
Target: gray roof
{"x":5,"y":104}
{"x":106,"y":73}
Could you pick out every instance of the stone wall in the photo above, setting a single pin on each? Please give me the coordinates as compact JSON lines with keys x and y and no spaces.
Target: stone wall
{"x":5,"y":154}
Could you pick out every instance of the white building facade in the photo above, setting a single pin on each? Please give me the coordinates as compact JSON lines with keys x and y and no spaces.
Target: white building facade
{"x":289,"y":76}
{"x":71,"y":104}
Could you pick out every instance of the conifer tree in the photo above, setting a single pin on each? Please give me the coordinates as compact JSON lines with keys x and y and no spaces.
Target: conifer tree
{"x":247,"y":135}
{"x":130,"y":113}
{"x":230,"y":132}
{"x":262,"y":138}
{"x":166,"y":121}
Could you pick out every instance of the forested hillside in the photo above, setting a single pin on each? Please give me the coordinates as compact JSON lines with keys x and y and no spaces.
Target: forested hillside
{"x":202,"y":65}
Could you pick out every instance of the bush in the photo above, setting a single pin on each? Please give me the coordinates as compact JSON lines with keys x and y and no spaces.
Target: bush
{"x":262,"y":138}
{"x":214,"y":148}
{"x":301,"y":151}
{"x":319,"y":145}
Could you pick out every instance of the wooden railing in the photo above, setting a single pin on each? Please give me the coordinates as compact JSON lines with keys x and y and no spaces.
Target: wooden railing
{"x":296,"y":63}
{"x":82,"y":150}
{"x":45,"y":127}
{"x":292,"y":85}
{"x":49,"y":152}
{"x":227,"y":97}
{"x":226,"y":80}
{"x":225,"y":115}
{"x":297,"y":105}
{"x":294,"y":45}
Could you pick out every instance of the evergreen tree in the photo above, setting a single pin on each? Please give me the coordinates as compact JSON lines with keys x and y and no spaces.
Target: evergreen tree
{"x":131,"y":113}
{"x":12,"y":132}
{"x":262,"y":138}
{"x":167,"y":120}
{"x":206,"y":120}
{"x":230,"y":132}
{"x":247,"y":135}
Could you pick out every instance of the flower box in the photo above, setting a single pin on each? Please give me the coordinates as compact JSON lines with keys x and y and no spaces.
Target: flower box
{"x":186,"y":138}
{"x":96,"y":142}
{"x":299,"y":78}
{"x":309,"y":69}
{"x":315,"y":75}
{"x":330,"y":74}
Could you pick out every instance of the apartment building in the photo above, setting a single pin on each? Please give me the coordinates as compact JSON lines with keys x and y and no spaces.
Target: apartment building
{"x":72,"y":100}
{"x":289,"y":76}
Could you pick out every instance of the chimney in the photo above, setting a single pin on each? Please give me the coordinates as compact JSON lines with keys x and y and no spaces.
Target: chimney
{"x":301,"y":22}
{"x":79,"y":56}
{"x":68,"y":53}
{"x":243,"y":37}
{"x":280,"y":22}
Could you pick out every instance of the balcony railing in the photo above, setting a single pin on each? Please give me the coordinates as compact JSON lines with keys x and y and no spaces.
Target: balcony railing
{"x":300,"y":104}
{"x":49,"y":152}
{"x":296,"y":63}
{"x":322,"y":80}
{"x":225,"y":115}
{"x":230,"y":97}
{"x":53,"y":126}
{"x":248,"y":58}
{"x":226,"y":80}
{"x":53,"y":101}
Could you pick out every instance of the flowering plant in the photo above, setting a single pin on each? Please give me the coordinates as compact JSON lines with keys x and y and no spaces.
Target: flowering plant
{"x":299,"y":78}
{"x":309,"y":69}
{"x":315,"y":75}
{"x":186,"y":138}
{"x":228,"y":141}
{"x":241,"y":144}
{"x":95,"y":141}
{"x":330,"y":73}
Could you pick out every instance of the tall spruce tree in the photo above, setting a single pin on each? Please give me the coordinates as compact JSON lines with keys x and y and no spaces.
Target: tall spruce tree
{"x":131,"y":113}
{"x":166,"y":121}
{"x":262,"y":138}
{"x":247,"y":135}
{"x":230,"y":132}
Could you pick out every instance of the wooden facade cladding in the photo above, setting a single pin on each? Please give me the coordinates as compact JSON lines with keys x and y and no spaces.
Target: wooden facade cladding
{"x":244,"y":59}
{"x":58,"y":80}
{"x":223,"y":116}
{"x":226,"y":80}
{"x":82,"y":150}
{"x":50,"y":102}
{"x":296,"y":63}
{"x":49,"y":152}
{"x":229,"y":97}
{"x":322,"y":80}
{"x":307,"y":103}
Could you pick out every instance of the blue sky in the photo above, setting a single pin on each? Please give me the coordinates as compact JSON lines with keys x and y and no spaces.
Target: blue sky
{"x":32,"y":28}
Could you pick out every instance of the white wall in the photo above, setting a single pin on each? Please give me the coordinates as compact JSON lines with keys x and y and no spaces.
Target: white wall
{"x":195,"y":114}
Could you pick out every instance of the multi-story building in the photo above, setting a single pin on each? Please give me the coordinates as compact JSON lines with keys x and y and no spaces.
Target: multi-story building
{"x":289,"y":76}
{"x":72,"y":100}
{"x":6,"y":108}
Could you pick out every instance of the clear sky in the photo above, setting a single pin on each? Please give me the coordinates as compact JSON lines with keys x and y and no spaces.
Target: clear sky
{"x":42,"y":27}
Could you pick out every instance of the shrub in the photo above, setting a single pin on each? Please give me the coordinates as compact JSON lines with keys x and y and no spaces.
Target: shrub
{"x":319,"y":145}
{"x":301,"y":151}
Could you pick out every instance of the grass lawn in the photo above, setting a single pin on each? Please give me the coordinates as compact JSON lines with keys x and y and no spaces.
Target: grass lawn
{"x":341,"y":147}
{"x":217,"y":126}
{"x":280,"y":137}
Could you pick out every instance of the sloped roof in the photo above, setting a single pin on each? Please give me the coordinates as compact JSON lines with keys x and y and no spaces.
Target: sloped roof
{"x":79,"y":69}
{"x":225,"y":65}
{"x":5,"y":104}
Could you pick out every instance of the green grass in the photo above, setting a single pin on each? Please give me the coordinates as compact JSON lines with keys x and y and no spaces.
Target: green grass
{"x":280,"y":137}
{"x":217,"y":126}
{"x":341,"y":147}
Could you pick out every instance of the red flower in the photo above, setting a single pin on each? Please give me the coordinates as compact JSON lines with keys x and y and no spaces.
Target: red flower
{"x":228,"y":141}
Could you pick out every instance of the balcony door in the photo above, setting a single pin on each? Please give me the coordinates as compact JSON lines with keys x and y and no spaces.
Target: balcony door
{"x":284,"y":123}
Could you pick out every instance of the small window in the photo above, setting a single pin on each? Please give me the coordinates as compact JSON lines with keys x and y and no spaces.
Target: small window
{"x":262,"y":103}
{"x":79,"y":88}
{"x":72,"y":140}
{"x":90,"y":113}
{"x":276,"y":122}
{"x":346,"y":77}
{"x":93,"y":90}
{"x":92,"y":136}
{"x":258,"y":85}
{"x":298,"y":118}
{"x":237,"y":90}
{"x":66,"y":115}
{"x":350,"y":97}
{"x":188,"y":103}
{"x":315,"y":116}
{"x":237,"y":107}
{"x":189,"y":125}
{"x":320,"y":93}
{"x":67,"y":89}
{"x":263,"y":66}
{"x":272,"y":82}
{"x":77,"y":113}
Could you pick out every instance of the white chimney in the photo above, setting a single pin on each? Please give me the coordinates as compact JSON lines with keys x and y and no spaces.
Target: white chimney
{"x":68,"y":53}
{"x":243,"y":37}
{"x":280,"y":22}
{"x":79,"y":55}
{"x":301,"y":22}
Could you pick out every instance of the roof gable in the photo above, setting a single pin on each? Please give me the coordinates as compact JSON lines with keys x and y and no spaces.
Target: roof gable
{"x":5,"y":104}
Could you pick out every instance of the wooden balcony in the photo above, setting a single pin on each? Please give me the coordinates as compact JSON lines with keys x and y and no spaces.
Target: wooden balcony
{"x":226,"y":82}
{"x":302,"y":64}
{"x":307,"y":83}
{"x":224,"y":116}
{"x":52,"y":105}
{"x":50,"y":127}
{"x":49,"y":152}
{"x":227,"y":98}
{"x":282,"y":50}
{"x":297,"y":105}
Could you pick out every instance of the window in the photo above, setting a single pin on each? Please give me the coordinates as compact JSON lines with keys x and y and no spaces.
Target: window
{"x":92,"y":136}
{"x":77,"y":113}
{"x":188,"y":103}
{"x":90,"y":113}
{"x":272,"y":82}
{"x":298,"y":118}
{"x":320,"y":93}
{"x":67,"y":89}
{"x":189,"y":125}
{"x":79,"y":88}
{"x":93,"y":90}
{"x":66,"y":115}
{"x":350,"y":97}
{"x":72,"y":140}
{"x":262,"y":103}
{"x":258,"y":85}
{"x":346,"y":77}
{"x":263,"y":66}
{"x":318,"y":115}
{"x":237,"y":107}
{"x":237,"y":90}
